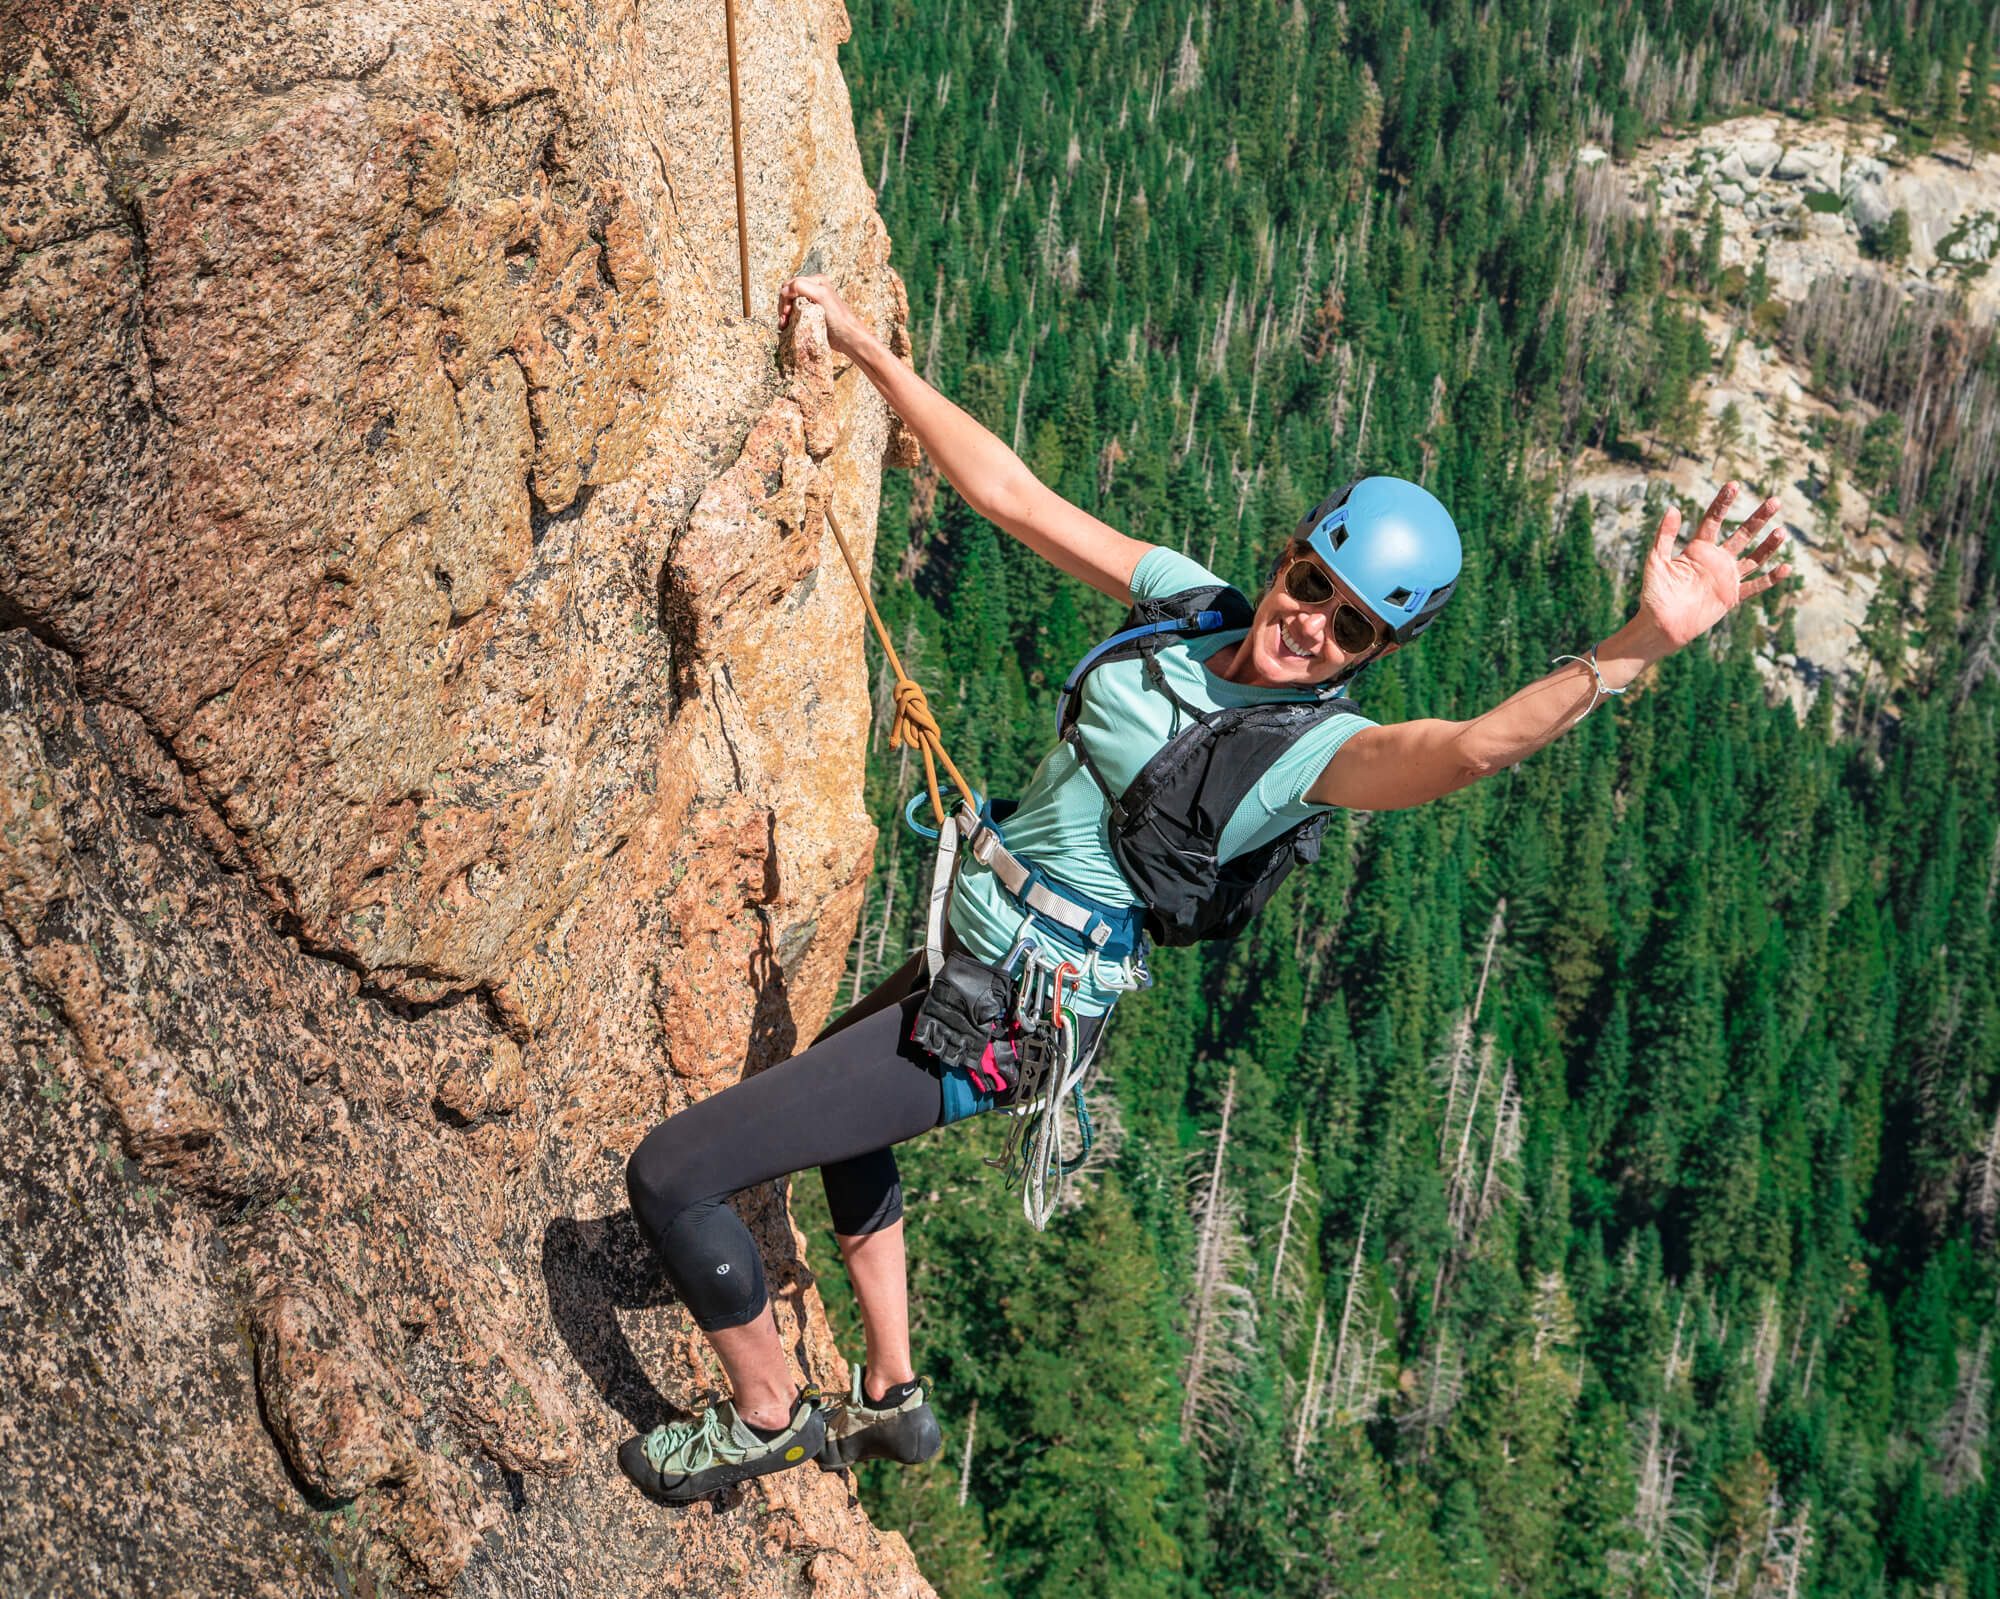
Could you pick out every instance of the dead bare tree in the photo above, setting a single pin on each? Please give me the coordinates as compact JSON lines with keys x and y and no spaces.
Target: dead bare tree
{"x":1462,"y":1158}
{"x":1554,"y":1315}
{"x":1679,"y":1360}
{"x":1669,"y":1531}
{"x":1312,"y":1397}
{"x":1503,"y":1153}
{"x":1298,"y":1185}
{"x":1983,"y":1191}
{"x":1764,"y":1350}
{"x":1461,"y":1105}
{"x":1440,"y":1386}
{"x":965,"y":1461}
{"x":1351,"y":1382}
{"x":1222,"y":1311}
{"x":1961,"y":1432}
{"x":1786,"y":1547}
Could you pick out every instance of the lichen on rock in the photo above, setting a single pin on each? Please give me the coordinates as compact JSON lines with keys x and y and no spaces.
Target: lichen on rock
{"x":430,"y":753}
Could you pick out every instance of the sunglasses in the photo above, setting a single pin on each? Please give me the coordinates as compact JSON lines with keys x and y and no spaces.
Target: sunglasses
{"x":1353,"y":629}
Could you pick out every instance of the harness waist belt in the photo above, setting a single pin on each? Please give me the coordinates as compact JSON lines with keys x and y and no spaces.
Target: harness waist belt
{"x":1094,"y":926}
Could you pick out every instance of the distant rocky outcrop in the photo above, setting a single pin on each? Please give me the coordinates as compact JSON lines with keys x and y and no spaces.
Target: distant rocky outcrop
{"x":430,"y":752}
{"x":1807,"y":194}
{"x":1801,"y":197}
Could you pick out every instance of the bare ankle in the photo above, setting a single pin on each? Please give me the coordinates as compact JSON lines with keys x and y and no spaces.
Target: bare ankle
{"x":875,"y":1383}
{"x":767,"y":1410}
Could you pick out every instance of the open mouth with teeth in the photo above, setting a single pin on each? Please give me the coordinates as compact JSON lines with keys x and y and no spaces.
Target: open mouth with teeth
{"x":1291,"y":646}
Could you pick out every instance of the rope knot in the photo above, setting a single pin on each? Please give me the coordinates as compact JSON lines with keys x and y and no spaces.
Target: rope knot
{"x":914,"y":722}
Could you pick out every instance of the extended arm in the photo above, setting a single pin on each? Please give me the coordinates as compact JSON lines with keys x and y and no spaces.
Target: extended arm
{"x":991,"y":478}
{"x":1684,"y":595}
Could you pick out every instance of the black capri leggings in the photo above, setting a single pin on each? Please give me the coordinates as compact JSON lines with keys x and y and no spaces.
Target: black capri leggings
{"x":860,"y":1088}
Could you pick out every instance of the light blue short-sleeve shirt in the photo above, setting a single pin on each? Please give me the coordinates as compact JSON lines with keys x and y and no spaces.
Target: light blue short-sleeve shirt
{"x":1063,"y":824}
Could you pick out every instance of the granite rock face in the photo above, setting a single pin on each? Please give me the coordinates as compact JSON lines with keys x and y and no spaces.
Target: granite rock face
{"x":431,"y":720}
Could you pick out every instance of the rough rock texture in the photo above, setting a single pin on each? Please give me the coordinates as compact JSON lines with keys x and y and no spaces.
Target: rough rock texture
{"x":1853,"y":165}
{"x":431,"y":716}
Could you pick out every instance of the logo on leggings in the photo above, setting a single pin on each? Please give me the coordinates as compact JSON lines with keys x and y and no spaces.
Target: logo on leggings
{"x":722,"y":1270}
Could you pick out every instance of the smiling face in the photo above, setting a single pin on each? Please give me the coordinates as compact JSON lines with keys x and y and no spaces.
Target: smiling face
{"x":1293,"y":643}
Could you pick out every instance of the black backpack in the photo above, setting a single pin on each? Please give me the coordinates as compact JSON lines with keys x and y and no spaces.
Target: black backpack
{"x":1166,"y":828}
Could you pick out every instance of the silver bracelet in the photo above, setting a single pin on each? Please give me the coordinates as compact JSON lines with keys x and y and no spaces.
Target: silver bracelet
{"x":1603,"y":688}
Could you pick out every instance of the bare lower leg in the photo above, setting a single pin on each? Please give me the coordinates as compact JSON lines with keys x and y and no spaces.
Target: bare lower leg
{"x":760,"y":1377}
{"x":878,"y":1269}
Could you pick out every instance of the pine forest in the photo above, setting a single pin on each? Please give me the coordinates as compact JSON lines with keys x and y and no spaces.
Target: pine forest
{"x":1585,"y":1185}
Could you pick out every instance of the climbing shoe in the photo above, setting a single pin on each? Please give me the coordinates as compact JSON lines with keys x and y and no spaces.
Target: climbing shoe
{"x":899,"y":1428}
{"x":685,"y":1460}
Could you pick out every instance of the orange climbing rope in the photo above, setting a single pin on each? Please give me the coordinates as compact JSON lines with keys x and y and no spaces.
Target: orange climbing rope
{"x":915,"y":725}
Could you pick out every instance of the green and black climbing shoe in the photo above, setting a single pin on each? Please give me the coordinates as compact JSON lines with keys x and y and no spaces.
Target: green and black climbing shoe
{"x":899,"y":1427}
{"x":685,"y":1460}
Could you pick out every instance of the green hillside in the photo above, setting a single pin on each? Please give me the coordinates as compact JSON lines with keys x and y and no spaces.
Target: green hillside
{"x":1673,"y":1270}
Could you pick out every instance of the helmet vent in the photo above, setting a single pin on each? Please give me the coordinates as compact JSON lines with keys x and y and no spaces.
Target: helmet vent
{"x":1397,"y":597}
{"x":1334,"y":526}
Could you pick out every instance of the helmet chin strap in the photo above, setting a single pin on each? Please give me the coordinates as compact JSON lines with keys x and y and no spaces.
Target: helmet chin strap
{"x":1347,"y":674}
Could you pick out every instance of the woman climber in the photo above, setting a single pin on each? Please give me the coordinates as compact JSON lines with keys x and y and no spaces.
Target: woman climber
{"x":1107,"y":845}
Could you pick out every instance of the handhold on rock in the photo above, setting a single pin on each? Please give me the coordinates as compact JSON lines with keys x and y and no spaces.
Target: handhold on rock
{"x":338,"y":1410}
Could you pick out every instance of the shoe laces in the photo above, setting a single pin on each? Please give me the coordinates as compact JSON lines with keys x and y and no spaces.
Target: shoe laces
{"x":690,"y":1446}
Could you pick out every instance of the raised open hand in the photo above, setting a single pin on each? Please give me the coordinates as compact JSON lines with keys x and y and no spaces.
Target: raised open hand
{"x":1686,"y":592}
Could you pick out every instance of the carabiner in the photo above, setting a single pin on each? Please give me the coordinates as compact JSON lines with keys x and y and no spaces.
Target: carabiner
{"x":1066,"y":969}
{"x":917,"y":827}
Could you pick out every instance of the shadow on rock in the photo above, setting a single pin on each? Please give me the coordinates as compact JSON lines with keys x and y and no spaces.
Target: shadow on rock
{"x":594,"y":1269}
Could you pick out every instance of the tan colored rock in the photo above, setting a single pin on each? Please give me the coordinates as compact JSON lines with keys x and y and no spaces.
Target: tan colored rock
{"x":339,"y":1411}
{"x":431,"y":727}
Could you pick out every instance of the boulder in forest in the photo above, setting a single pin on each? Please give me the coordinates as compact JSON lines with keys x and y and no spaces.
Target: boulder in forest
{"x":1870,"y":206}
{"x":1758,"y":156}
{"x":1791,"y":166}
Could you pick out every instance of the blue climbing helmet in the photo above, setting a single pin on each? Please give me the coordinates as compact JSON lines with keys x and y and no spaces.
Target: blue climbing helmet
{"x":1391,"y":542}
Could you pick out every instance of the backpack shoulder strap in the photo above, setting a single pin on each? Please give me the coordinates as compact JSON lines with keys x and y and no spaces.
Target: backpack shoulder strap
{"x":1262,"y":735}
{"x":1207,"y":609}
{"x":1230,"y":608}
{"x":1199,"y":610}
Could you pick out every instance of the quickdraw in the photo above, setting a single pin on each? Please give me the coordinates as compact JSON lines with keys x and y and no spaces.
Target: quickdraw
{"x":1051,"y":1071}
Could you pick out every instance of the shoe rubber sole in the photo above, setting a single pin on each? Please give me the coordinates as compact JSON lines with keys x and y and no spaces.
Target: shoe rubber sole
{"x":808,"y":1443}
{"x":910,"y":1438}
